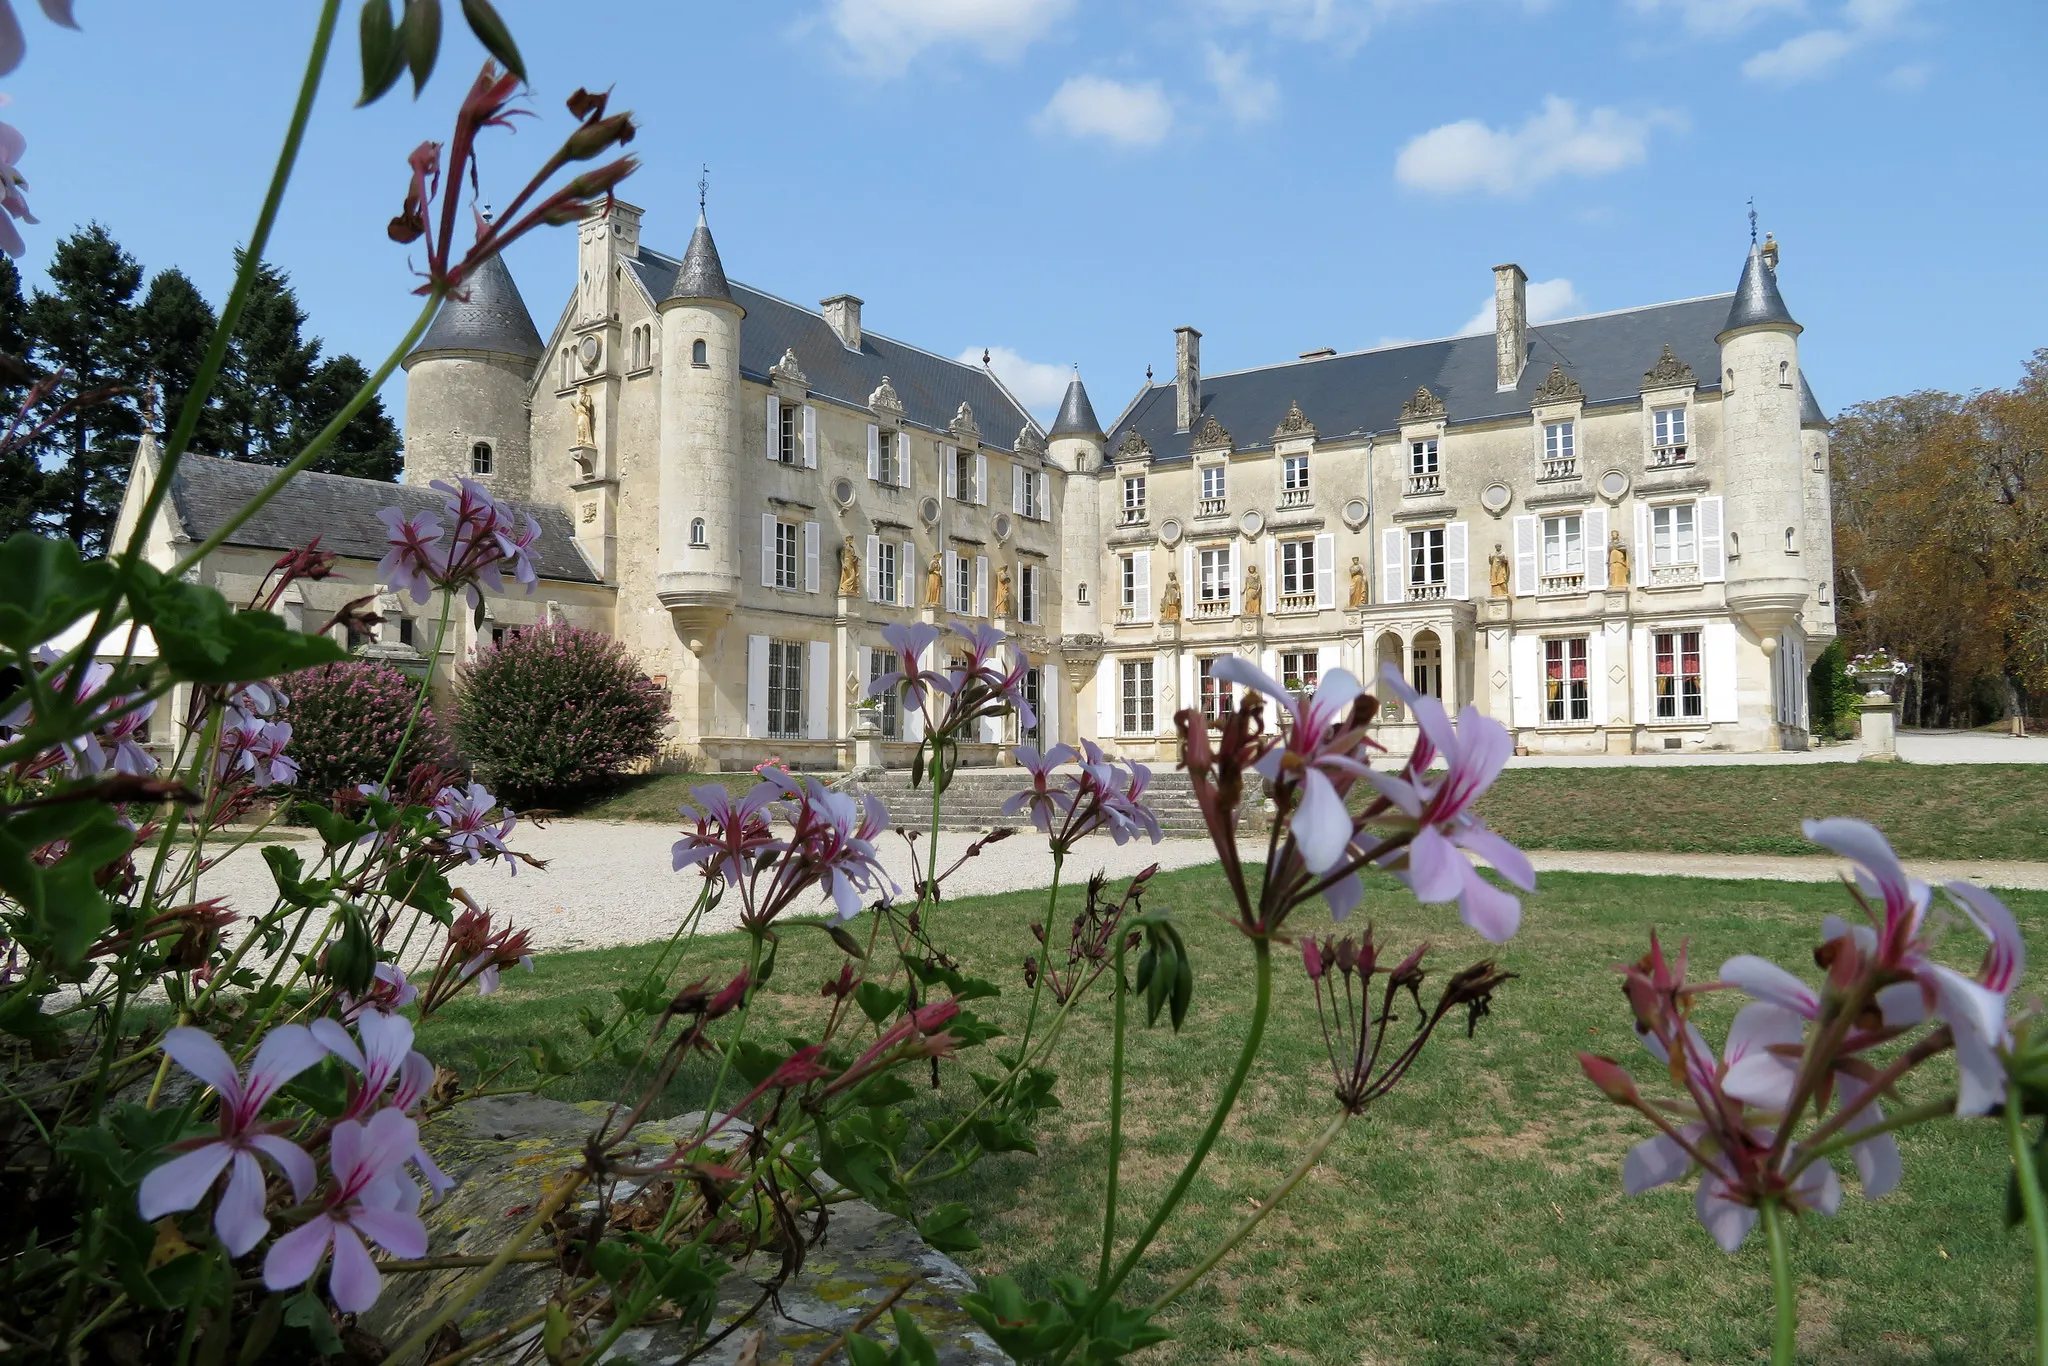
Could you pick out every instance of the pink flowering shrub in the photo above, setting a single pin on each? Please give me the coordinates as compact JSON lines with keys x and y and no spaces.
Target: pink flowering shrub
{"x":555,"y":711}
{"x":347,"y":720}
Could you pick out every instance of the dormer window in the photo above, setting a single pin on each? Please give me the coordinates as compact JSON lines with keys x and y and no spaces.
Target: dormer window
{"x":480,"y":458}
{"x":1668,"y":445}
{"x":1212,"y":503}
{"x":699,"y":353}
{"x":1134,"y":499}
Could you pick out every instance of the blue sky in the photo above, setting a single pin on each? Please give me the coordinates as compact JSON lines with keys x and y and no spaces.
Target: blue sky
{"x":1065,"y":181}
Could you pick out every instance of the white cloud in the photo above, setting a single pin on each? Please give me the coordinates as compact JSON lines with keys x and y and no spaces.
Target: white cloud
{"x":1717,"y":16}
{"x":1249,"y":98}
{"x":1554,"y":141}
{"x":1813,"y":54}
{"x":1910,"y":77}
{"x":1547,"y":299}
{"x":1136,"y":115}
{"x":885,"y":36}
{"x":1348,"y":23}
{"x":1038,"y":386}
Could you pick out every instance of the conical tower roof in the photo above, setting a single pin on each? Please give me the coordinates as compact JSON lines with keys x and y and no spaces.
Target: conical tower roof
{"x":491,"y":318}
{"x":702,"y":274}
{"x":1757,"y":301}
{"x":1077,"y":414}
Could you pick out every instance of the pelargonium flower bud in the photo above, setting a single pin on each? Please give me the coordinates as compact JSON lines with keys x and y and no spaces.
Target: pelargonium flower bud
{"x":1612,"y":1078}
{"x":728,"y":1000}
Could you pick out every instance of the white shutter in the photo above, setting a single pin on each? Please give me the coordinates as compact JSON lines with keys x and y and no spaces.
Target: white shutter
{"x":874,"y":576}
{"x":949,"y":591}
{"x":818,"y":682}
{"x":810,"y":437}
{"x":980,"y":479}
{"x":1390,"y":565}
{"x":1525,"y":681}
{"x":1273,"y":584}
{"x":1106,"y":679}
{"x":1017,"y":478}
{"x":1044,"y":497}
{"x":767,"y":550}
{"x":1717,"y":648}
{"x":950,"y":474}
{"x":774,"y":443}
{"x":1596,"y":677}
{"x":909,"y":575}
{"x":757,"y":686}
{"x":981,"y":602}
{"x":1189,"y":686}
{"x":875,"y":470}
{"x":1326,"y":570}
{"x":1048,"y":707}
{"x":1639,"y":666}
{"x":1141,"y":577}
{"x":1525,"y":557}
{"x":1642,"y":566}
{"x":1457,"y":575}
{"x":864,"y":669}
{"x":903,"y":458}
{"x":1596,"y":547}
{"x":810,"y":557}
{"x":1713,"y":558}
{"x":1236,"y":594}
{"x":1190,"y":587}
{"x":1329,"y":658}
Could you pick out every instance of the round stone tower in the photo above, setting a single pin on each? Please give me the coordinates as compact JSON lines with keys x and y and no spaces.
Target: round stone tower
{"x":466,"y":385}
{"x":699,"y":546}
{"x":1075,"y":445}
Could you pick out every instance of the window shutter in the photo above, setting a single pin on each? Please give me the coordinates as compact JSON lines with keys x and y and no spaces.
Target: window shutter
{"x":1457,"y":576}
{"x":1596,"y":547}
{"x":1642,"y":566}
{"x":980,"y":479}
{"x":810,"y":557}
{"x":1273,"y":584}
{"x":757,"y":686}
{"x":903,"y":458}
{"x":875,"y":470}
{"x":949,"y":592}
{"x":1639,"y":668}
{"x":1017,"y":478}
{"x":1391,"y":566}
{"x":1190,"y":586}
{"x":1525,"y":667}
{"x":810,"y":437}
{"x":874,"y":575}
{"x":767,"y":550}
{"x":1107,"y":679}
{"x":864,"y":668}
{"x":981,"y":603}
{"x":1141,"y":565}
{"x":774,"y":444}
{"x":1596,"y":677}
{"x":1717,"y":663}
{"x":818,"y":680}
{"x":1329,"y":659}
{"x":1326,"y":570}
{"x":1713,"y":558}
{"x":1525,"y":559}
{"x":1048,"y":707}
{"x":909,"y":574}
{"x":1044,"y":497}
{"x":949,"y":457}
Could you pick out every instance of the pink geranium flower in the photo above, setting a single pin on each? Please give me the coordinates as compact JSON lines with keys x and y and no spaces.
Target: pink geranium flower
{"x":366,"y":1158}
{"x":412,"y":562}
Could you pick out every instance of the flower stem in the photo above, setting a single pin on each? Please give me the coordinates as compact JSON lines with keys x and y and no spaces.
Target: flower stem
{"x":1783,"y":1336}
{"x":2036,"y":1212}
{"x":1119,"y":994}
{"x":1052,"y":907}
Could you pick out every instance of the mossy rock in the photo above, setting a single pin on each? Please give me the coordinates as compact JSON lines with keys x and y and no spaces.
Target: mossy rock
{"x":504,"y":1150}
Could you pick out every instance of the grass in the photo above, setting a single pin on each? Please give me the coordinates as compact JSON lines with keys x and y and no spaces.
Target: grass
{"x":1475,"y":1215}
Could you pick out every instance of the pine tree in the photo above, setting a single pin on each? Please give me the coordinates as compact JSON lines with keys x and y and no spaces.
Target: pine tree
{"x":21,"y":479}
{"x":172,"y":328}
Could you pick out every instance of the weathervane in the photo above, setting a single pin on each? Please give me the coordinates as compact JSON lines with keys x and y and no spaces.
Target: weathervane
{"x":1752,"y":220}
{"x":703,"y":187}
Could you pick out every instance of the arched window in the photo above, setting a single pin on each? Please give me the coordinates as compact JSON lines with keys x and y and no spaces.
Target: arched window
{"x":568,"y":369}
{"x":1784,"y":374}
{"x":1791,"y":540}
{"x":1730,"y":385}
{"x":698,"y":536}
{"x":699,"y":353}
{"x":480,"y":458}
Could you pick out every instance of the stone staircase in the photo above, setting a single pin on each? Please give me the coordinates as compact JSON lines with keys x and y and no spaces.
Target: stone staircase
{"x":974,"y":800}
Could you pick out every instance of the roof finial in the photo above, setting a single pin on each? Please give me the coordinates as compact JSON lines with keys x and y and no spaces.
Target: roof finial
{"x":1752,"y":220}
{"x":984,"y":355}
{"x":484,"y":211}
{"x":703,"y":188}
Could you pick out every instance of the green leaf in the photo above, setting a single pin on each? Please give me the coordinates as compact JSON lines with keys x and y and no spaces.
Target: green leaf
{"x":201,"y":639}
{"x":912,"y":1347}
{"x":420,"y":32}
{"x":285,"y":869}
{"x":424,"y":887}
{"x":63,"y":908}
{"x":335,"y":829}
{"x":304,"y":1310}
{"x":884,"y":1090}
{"x":490,"y":30}
{"x":1004,"y":1135}
{"x":848,"y":945}
{"x":383,"y":58}
{"x":877,"y":1002}
{"x":867,"y":1352}
{"x":945,"y":1228}
{"x":48,"y":588}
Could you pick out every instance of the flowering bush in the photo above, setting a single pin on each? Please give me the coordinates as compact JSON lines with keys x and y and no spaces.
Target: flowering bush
{"x":1879,"y":661}
{"x":554,"y":711}
{"x":348,"y":722}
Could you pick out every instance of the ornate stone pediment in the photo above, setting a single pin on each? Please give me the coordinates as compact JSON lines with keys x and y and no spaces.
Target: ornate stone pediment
{"x":1212,"y":433}
{"x":1029,"y":442}
{"x":1558,"y":387}
{"x":1422,"y":406}
{"x":788,"y":369}
{"x":884,"y":402}
{"x":962,"y":424}
{"x":1295,"y":424}
{"x":1134,"y":447}
{"x":1669,"y":372}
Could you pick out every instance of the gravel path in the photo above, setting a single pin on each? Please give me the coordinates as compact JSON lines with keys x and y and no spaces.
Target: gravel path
{"x":610,"y":882}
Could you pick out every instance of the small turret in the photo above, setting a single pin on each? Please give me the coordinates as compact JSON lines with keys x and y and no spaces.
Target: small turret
{"x":1075,"y":445}
{"x":466,"y":386}
{"x":1077,"y":414}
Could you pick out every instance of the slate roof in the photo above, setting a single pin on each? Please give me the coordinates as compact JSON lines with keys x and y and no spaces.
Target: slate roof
{"x":1361,"y":392}
{"x":492,"y":318}
{"x":702,"y":275}
{"x":931,"y":387}
{"x":1810,"y":414}
{"x":1077,"y":414}
{"x":341,"y":511}
{"x":1757,"y":300}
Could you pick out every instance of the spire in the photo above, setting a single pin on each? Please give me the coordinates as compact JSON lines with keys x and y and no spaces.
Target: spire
{"x":702,"y":275}
{"x":1757,"y":301}
{"x":1077,"y":414}
{"x":492,"y":317}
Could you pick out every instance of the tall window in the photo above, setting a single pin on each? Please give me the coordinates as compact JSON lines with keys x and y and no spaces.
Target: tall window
{"x":1216,"y":699}
{"x":480,"y":458}
{"x":1027,"y":497}
{"x":1565,"y":695}
{"x":1027,"y":593}
{"x":1034,"y":696}
{"x":1678,"y":675}
{"x":1215,"y":573}
{"x":1212,"y":481}
{"x":1137,"y":697}
{"x":699,"y":353}
{"x":890,"y":703}
{"x":963,"y":475}
{"x":699,"y":535}
{"x":963,"y":585}
{"x":885,"y":448}
{"x":790,"y":446}
{"x":1564,"y":544}
{"x":1426,"y":672}
{"x":1422,"y":456}
{"x":1128,"y":573}
{"x":1300,"y":671}
{"x":786,"y":689}
{"x":1297,"y":567}
{"x":1425,"y":556}
{"x":788,"y":556}
{"x":885,"y":571}
{"x":1669,"y":432}
{"x":1294,"y":481}
{"x":1559,"y":441}
{"x":1672,"y":538}
{"x":1134,"y":497}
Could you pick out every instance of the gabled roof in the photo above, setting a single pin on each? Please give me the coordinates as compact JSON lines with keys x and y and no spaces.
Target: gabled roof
{"x":930,"y":387}
{"x":1351,"y":395}
{"x":341,"y":511}
{"x":1757,"y":301}
{"x":492,"y":318}
{"x":1077,"y":414}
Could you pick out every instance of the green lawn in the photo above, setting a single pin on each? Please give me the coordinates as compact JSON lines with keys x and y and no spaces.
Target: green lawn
{"x":1476,"y":1215}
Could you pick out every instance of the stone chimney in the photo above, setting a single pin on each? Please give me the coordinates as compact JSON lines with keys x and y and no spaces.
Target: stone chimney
{"x":842,"y":311}
{"x":1187,"y":378}
{"x":1510,"y":324}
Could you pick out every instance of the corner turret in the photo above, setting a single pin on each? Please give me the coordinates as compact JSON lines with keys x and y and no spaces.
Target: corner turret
{"x":466,"y":387}
{"x":1075,"y":445}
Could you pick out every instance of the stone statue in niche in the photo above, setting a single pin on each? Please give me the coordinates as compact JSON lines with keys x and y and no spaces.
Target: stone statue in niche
{"x":1617,"y":561}
{"x":586,"y":418}
{"x":934,"y":581}
{"x":1357,"y":582}
{"x":1003,"y":605}
{"x":849,"y":570}
{"x":1254,"y":592}
{"x":1169,"y":599}
{"x":1497,"y":571}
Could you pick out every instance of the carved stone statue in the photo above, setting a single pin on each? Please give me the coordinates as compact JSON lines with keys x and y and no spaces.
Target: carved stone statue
{"x":1617,"y":561}
{"x":935,"y":581}
{"x":1169,"y":599}
{"x":1357,"y":582}
{"x":586,"y":418}
{"x":1003,"y":606}
{"x":849,"y":570}
{"x":1254,"y":594}
{"x":1497,"y":571}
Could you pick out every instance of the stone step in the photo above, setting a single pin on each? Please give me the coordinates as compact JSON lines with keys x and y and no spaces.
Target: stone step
{"x":974,"y":800}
